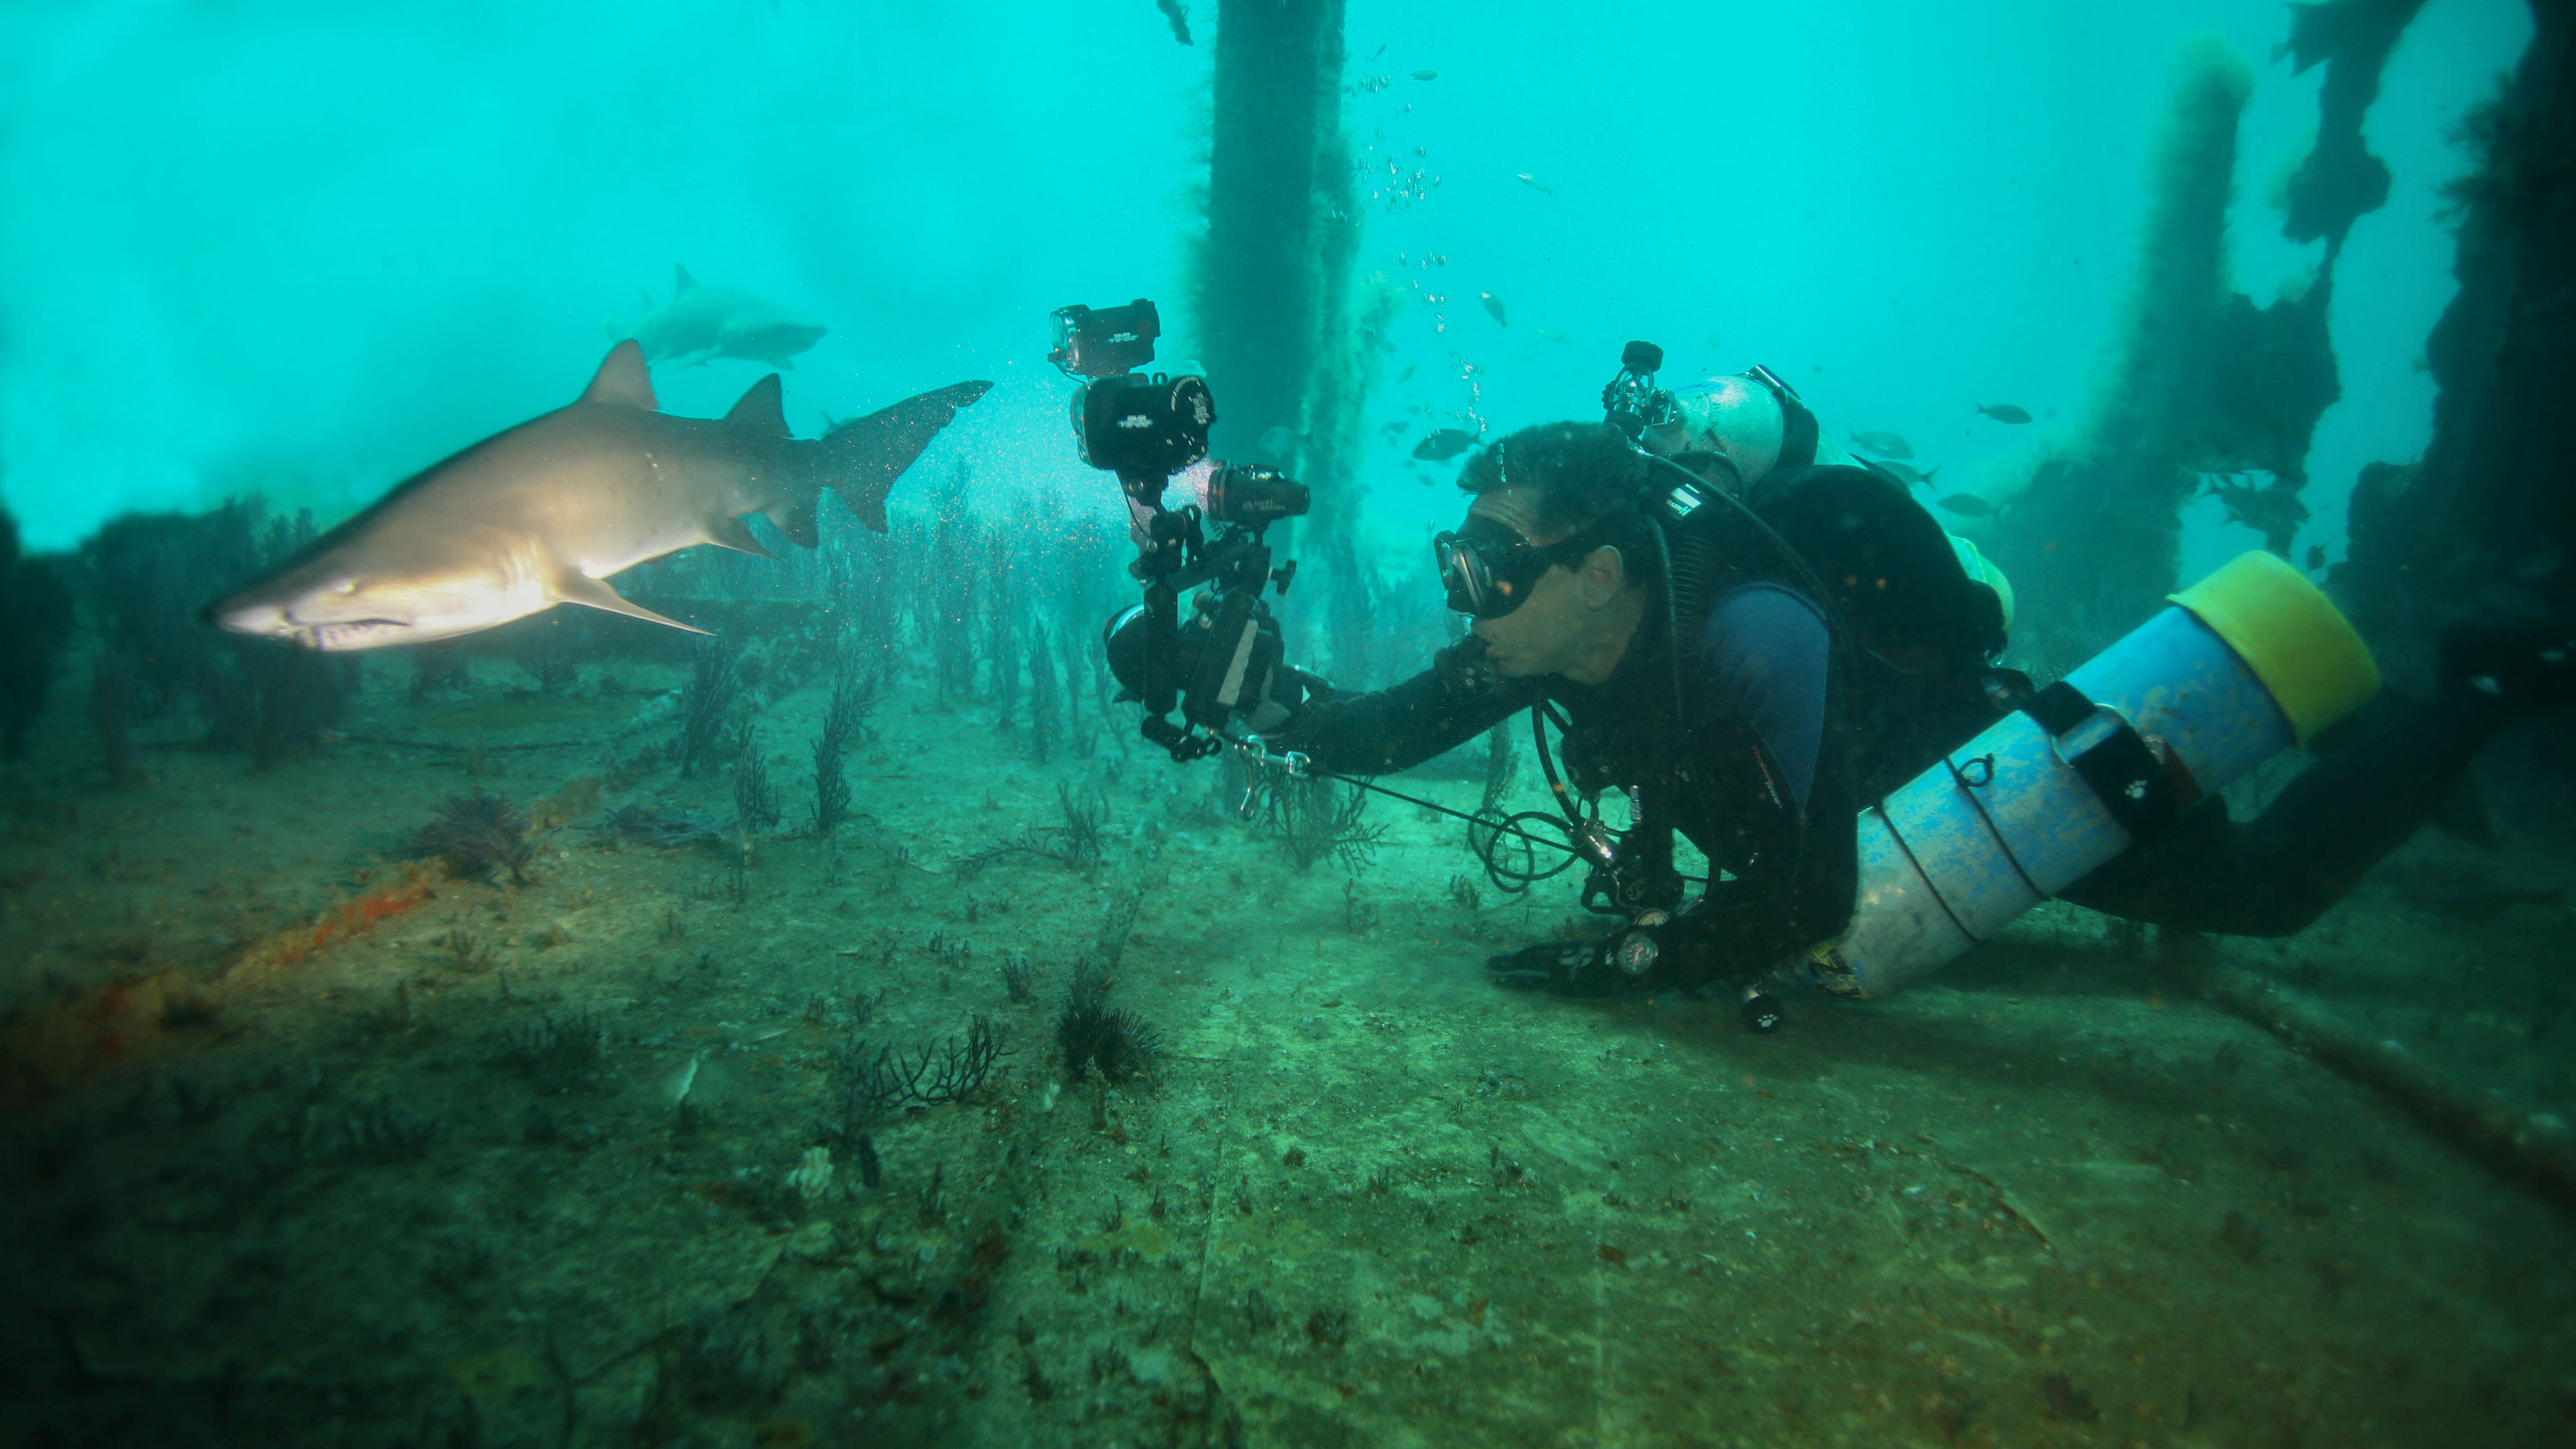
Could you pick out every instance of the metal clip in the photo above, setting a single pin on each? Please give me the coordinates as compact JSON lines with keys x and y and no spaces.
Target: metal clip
{"x":1597,"y":843}
{"x":1256,"y":757}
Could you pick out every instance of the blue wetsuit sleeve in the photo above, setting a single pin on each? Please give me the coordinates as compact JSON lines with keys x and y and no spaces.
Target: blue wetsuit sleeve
{"x":1763,"y":654}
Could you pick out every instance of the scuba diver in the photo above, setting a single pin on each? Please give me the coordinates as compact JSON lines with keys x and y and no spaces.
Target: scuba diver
{"x":1756,"y":639}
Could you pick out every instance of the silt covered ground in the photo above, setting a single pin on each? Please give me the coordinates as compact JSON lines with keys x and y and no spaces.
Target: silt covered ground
{"x":311,"y":1143}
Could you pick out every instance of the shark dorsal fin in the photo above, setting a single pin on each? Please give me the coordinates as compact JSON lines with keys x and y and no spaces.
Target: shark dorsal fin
{"x":759,"y":413}
{"x":681,"y":280}
{"x":623,"y":380}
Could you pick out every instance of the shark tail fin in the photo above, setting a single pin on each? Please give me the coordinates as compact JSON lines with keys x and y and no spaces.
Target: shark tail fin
{"x":861,"y":458}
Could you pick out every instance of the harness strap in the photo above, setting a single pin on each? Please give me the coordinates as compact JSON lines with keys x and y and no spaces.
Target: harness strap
{"x":1923,"y":875}
{"x":1798,"y":427}
{"x":2121,"y":769}
{"x":1968,"y":791}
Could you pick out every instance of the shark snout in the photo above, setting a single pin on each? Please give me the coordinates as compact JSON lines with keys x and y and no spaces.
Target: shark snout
{"x":241,"y":615}
{"x":272,"y":620}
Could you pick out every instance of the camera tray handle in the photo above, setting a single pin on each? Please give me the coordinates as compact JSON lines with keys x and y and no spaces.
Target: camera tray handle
{"x":1162,"y":683}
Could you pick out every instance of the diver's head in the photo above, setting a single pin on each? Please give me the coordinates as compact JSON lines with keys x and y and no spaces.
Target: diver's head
{"x":1557,"y":555}
{"x":1735,"y":417}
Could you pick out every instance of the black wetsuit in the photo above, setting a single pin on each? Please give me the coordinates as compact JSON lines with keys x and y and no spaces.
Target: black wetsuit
{"x":1779,"y":751}
{"x":1758,"y":774}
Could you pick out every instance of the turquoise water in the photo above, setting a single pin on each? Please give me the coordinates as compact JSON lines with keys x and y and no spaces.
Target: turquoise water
{"x":314,"y":249}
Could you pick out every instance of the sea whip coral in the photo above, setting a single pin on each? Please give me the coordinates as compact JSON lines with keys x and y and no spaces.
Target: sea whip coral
{"x":477,"y":833}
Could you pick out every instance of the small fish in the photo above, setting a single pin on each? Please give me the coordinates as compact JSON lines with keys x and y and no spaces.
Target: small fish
{"x":1886,"y":445}
{"x":1410,"y":369}
{"x":1534,"y":184}
{"x":2316,"y":556}
{"x":1179,"y":14}
{"x":1446,"y":443}
{"x":1907,"y":474}
{"x":2274,"y":512}
{"x":1551,"y":334}
{"x":676,"y":1088}
{"x":1494,"y":308}
{"x":1278,"y":442}
{"x":1426,"y":75}
{"x":1397,"y":428}
{"x":1968,"y":505}
{"x":2003,"y":412}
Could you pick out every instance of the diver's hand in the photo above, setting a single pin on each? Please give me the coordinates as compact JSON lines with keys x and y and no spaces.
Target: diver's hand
{"x":1561,"y":968}
{"x":1463,"y":666}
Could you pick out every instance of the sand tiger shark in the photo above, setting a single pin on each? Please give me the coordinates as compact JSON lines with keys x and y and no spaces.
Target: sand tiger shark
{"x":542,"y":513}
{"x":700,"y":324}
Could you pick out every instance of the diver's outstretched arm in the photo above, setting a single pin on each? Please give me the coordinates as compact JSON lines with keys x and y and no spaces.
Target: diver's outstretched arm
{"x":1397,"y":728}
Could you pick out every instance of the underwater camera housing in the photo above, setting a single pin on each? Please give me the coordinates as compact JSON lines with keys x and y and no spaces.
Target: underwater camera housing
{"x":1099,"y":342}
{"x":1143,"y":427}
{"x":1631,"y":400}
{"x":1146,"y":428}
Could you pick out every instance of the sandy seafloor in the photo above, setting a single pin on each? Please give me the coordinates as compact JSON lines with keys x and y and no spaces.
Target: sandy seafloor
{"x":279,"y":1171}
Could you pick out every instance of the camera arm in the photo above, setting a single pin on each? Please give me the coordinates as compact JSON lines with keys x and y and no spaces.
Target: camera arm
{"x":1146,"y":428}
{"x":1207,"y":685}
{"x":1163,"y":561}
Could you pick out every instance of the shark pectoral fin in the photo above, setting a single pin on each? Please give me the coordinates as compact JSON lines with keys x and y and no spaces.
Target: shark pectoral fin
{"x":796,"y":520}
{"x":733,"y":533}
{"x":581,"y":588}
{"x":681,"y":281}
{"x":623,"y":380}
{"x":758,"y":416}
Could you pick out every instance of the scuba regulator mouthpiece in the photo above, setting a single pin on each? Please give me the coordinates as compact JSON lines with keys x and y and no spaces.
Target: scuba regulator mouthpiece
{"x":1631,"y":400}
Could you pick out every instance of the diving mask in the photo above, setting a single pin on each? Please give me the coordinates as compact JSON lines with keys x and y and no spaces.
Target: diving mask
{"x":1489,"y":570}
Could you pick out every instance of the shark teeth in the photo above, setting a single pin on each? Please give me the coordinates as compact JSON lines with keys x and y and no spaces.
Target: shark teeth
{"x":328,"y":637}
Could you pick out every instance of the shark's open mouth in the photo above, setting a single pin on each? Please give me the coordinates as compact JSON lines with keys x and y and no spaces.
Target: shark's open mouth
{"x":355,"y":634}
